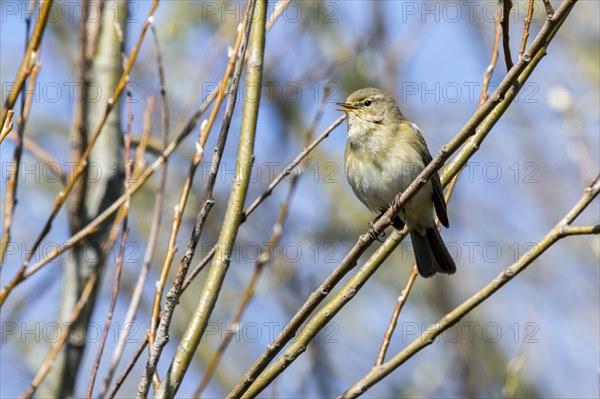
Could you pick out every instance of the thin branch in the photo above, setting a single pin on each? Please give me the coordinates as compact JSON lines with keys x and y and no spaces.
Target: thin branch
{"x":281,"y":5}
{"x":549,"y":10}
{"x":506,"y":7}
{"x":509,"y":273}
{"x":7,"y":126}
{"x":29,"y":59}
{"x":487,"y":76}
{"x":397,"y":309}
{"x":50,"y":163}
{"x":13,"y":180}
{"x":489,"y":112}
{"x":579,"y":230}
{"x":528,"y":19}
{"x":121,"y":379}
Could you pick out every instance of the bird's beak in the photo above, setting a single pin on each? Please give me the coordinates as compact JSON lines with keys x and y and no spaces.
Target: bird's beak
{"x":345,"y":107}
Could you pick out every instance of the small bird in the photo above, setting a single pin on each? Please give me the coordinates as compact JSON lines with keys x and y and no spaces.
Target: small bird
{"x":385,"y":152}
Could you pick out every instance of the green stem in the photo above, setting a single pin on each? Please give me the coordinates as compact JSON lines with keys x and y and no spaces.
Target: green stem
{"x":212,"y":286}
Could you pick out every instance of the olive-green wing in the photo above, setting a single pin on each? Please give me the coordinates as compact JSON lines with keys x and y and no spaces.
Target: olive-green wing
{"x":439,"y":202}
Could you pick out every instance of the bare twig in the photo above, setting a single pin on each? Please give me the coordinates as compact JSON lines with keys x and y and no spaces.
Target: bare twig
{"x":7,"y":126}
{"x":125,"y":374}
{"x":506,"y":7}
{"x":528,"y":19}
{"x":549,"y":10}
{"x":281,"y":5}
{"x":487,"y":76}
{"x":29,"y":59}
{"x":13,"y":180}
{"x":397,"y":309}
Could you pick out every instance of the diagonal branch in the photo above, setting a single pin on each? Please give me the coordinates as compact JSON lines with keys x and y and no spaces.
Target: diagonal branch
{"x":467,"y":306}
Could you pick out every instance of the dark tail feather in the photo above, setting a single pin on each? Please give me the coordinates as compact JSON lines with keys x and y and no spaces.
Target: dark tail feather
{"x":423,"y":255}
{"x":431,"y":254}
{"x":442,"y":257}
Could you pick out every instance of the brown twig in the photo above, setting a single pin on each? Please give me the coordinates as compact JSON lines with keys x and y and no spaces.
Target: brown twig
{"x":7,"y":126}
{"x":13,"y":180}
{"x":506,"y":7}
{"x":29,"y":59}
{"x":121,"y":379}
{"x":549,"y":10}
{"x":38,"y":152}
{"x":528,"y":19}
{"x":281,"y":5}
{"x":395,"y":314}
{"x":490,"y":69}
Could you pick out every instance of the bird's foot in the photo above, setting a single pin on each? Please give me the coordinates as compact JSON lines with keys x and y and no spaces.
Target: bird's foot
{"x":373,"y":234}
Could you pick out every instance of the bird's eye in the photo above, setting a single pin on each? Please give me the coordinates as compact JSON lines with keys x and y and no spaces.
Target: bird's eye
{"x":367,"y":103}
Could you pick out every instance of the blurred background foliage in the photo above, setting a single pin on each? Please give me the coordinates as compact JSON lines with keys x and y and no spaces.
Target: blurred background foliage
{"x":538,"y":337}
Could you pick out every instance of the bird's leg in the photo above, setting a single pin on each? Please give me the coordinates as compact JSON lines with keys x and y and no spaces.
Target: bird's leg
{"x":371,"y":230}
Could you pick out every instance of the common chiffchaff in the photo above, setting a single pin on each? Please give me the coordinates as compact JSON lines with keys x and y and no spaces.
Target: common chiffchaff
{"x":384,"y":154}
